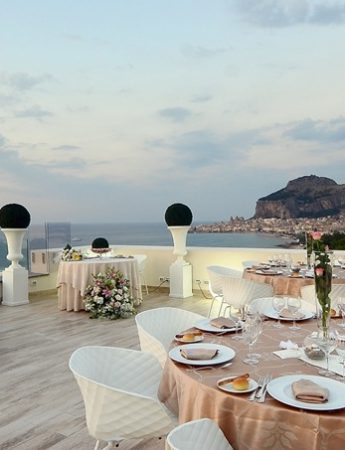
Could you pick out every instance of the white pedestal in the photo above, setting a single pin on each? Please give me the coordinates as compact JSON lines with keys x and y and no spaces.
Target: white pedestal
{"x":181,"y":279}
{"x":15,"y":286}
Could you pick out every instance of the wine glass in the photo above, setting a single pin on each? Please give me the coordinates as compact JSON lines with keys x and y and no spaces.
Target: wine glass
{"x":294,"y":304}
{"x":278,"y":304}
{"x":250,"y":336}
{"x":341,"y":351}
{"x":327,"y":342}
{"x":341,"y":307}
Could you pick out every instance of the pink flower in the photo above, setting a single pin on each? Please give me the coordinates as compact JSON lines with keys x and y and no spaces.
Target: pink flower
{"x":319,"y":271}
{"x":316,"y":235}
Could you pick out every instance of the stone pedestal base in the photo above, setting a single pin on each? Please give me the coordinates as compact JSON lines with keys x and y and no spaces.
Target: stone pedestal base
{"x":181,"y":279}
{"x":15,"y":286}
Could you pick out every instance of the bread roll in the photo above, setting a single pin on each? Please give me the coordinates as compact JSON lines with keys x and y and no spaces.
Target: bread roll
{"x":241,"y":383}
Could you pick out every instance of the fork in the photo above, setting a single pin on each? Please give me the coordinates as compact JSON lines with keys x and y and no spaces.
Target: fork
{"x":258,"y":388}
{"x":262,"y":398}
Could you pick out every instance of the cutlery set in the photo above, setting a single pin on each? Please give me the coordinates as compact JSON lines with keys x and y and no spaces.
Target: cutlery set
{"x":259,"y":395}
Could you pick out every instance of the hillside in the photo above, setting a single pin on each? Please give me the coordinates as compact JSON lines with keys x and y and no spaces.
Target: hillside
{"x":309,"y":196}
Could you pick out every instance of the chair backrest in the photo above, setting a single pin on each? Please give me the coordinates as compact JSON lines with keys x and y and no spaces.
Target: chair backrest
{"x":202,"y":434}
{"x":157,"y":328}
{"x":238,"y":292}
{"x":119,"y":389}
{"x":215,"y":274}
{"x":249,"y":263}
{"x":308,"y":293}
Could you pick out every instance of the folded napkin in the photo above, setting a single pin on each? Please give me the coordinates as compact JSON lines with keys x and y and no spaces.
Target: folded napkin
{"x":286,"y":354}
{"x":308,"y":391}
{"x":223,"y":323}
{"x":288,"y":345}
{"x":198,"y":353}
{"x":287,"y":314}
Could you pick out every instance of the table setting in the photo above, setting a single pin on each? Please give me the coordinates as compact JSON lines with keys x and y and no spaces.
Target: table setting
{"x":280,"y":385}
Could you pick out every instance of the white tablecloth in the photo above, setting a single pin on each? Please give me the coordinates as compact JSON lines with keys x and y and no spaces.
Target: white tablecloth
{"x":74,"y":276}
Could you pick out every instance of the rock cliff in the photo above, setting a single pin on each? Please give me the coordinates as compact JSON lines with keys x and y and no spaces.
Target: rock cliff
{"x":308,"y":196}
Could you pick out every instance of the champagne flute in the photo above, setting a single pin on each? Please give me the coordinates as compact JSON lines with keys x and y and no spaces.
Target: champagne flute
{"x":341,"y":307}
{"x":278,"y":304}
{"x":294,"y":304}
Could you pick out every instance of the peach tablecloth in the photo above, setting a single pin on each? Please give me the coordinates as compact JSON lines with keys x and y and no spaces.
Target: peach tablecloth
{"x":247,"y":425}
{"x":74,"y":276}
{"x":288,"y":285}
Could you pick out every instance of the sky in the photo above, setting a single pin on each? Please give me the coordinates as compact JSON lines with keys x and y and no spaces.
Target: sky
{"x":112,"y":110}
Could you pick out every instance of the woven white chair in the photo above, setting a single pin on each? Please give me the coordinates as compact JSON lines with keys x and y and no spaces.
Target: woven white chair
{"x":238,"y":292}
{"x":202,"y":434}
{"x":215,"y":274}
{"x":119,"y":389}
{"x":308,"y":293}
{"x":157,"y":328}
{"x":142,"y":264}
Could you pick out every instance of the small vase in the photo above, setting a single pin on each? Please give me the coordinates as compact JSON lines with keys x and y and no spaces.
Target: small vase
{"x":323,"y":287}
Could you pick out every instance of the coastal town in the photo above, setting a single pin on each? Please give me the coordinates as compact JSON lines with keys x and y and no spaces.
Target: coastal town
{"x":290,"y":229}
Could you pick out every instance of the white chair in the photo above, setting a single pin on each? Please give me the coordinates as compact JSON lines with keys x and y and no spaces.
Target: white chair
{"x":239,"y":292}
{"x":215,"y":274}
{"x":119,"y":389}
{"x":142,"y":264}
{"x":202,"y":434}
{"x":157,"y":328}
{"x":308,"y":293}
{"x":249,"y":263}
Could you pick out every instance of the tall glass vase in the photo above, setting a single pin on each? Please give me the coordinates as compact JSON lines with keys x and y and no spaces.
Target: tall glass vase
{"x":323,"y":287}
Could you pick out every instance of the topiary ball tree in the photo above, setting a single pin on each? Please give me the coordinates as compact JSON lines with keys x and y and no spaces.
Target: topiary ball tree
{"x":100,"y":243}
{"x":14,"y":216}
{"x":178,"y":215}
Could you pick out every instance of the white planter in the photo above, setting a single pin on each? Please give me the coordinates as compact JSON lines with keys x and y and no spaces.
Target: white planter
{"x":15,"y":277}
{"x":181,"y":270}
{"x":14,"y":237}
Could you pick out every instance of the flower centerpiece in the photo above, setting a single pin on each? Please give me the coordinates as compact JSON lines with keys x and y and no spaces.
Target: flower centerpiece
{"x":323,"y":278}
{"x":109,"y":296}
{"x":71,"y":254}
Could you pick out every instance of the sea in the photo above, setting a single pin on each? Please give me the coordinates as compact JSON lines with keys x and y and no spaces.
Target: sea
{"x":55,"y":235}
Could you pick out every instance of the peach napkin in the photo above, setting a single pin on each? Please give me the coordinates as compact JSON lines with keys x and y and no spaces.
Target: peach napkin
{"x":198,"y":353}
{"x":308,"y":391}
{"x":287,"y":314}
{"x":223,"y":322}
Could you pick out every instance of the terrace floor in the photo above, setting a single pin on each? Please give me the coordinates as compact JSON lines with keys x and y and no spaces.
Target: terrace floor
{"x":41,"y":405}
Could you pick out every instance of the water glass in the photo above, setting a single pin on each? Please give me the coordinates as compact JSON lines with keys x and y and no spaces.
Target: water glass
{"x":250,"y":335}
{"x":341,"y":306}
{"x":278,"y":304}
{"x":341,"y":351}
{"x":328,"y":343}
{"x":294,"y":304}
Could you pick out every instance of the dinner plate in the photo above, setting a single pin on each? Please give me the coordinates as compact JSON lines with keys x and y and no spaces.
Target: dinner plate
{"x":269,"y":272}
{"x":224,"y":354}
{"x":272,"y":314}
{"x":204,"y":325}
{"x":280,"y":389}
{"x":196,"y":339}
{"x":228,"y":387}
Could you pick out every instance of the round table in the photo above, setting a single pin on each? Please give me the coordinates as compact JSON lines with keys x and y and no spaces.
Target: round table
{"x":192,"y":394}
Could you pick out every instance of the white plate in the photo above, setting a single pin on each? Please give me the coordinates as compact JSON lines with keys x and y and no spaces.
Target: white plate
{"x":204,"y":325}
{"x":228,"y":387}
{"x":224,"y":354}
{"x":196,"y":339}
{"x":272,"y":314}
{"x":269,"y":272}
{"x":280,"y":389}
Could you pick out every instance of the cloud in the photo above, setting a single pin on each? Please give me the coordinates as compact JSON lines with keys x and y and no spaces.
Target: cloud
{"x":22,"y":81}
{"x":284,"y":13}
{"x":321,"y":131}
{"x":177,"y":114}
{"x":202,"y":98}
{"x":35,"y":112}
{"x":197,"y":51}
{"x":67,"y":148}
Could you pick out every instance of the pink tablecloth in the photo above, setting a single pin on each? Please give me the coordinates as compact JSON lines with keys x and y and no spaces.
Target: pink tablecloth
{"x":74,"y":276}
{"x":247,"y":425}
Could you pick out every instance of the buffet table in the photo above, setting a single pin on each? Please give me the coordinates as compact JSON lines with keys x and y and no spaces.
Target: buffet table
{"x":192,"y":393}
{"x":74,"y":276}
{"x":286,"y":283}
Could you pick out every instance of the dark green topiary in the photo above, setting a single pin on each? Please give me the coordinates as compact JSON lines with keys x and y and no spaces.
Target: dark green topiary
{"x":14,"y":216}
{"x":178,"y":215}
{"x":100,"y":243}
